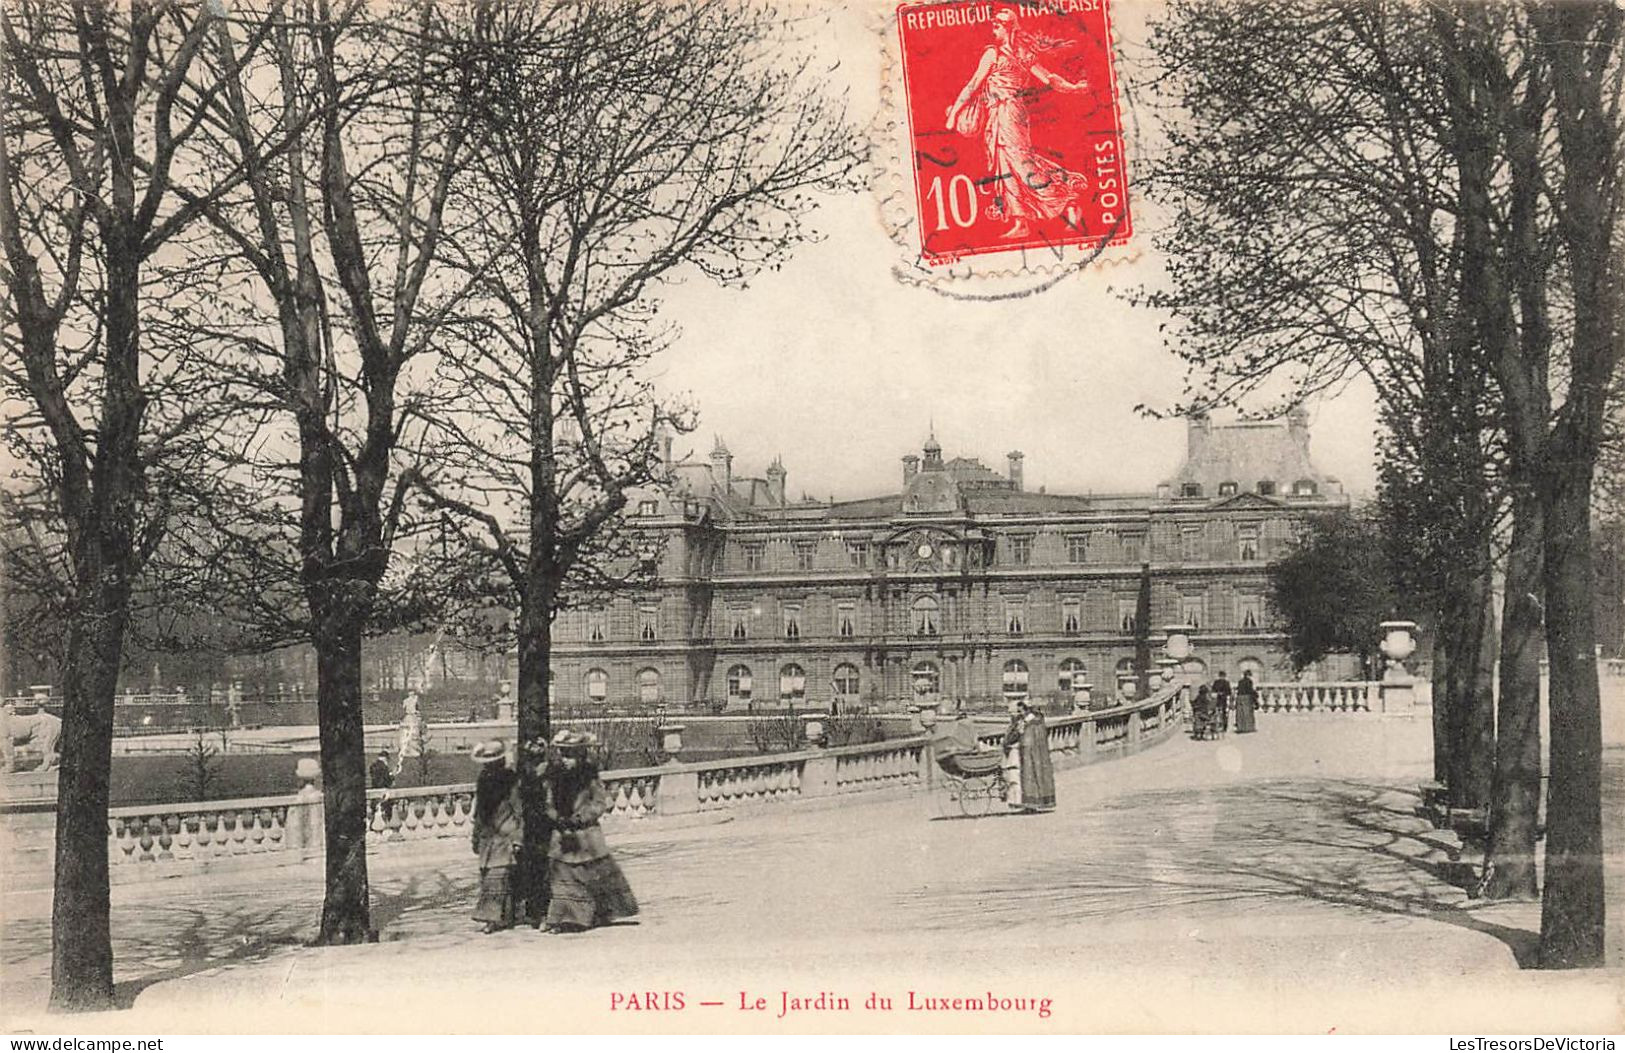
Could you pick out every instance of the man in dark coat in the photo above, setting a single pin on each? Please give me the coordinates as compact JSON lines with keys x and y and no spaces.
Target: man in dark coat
{"x":1221,"y":699}
{"x":379,"y":774}
{"x":382,"y":777}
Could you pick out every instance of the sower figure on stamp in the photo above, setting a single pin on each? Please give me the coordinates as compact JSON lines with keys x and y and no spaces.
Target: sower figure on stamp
{"x":995,"y":103}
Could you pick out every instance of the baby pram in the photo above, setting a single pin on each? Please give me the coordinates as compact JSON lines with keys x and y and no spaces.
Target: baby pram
{"x":1205,"y":718}
{"x":972,"y":773}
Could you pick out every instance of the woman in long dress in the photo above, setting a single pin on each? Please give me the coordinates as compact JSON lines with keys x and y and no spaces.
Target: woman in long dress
{"x":994,"y":104}
{"x":587,"y":888}
{"x":1035,"y":785}
{"x":498,"y":832}
{"x":1246,"y":705}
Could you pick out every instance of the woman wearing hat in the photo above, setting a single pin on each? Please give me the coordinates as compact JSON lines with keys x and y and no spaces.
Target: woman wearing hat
{"x":498,"y":833}
{"x":1028,"y":739}
{"x":587,"y":889}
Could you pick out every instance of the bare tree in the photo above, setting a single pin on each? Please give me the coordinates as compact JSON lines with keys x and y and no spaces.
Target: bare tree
{"x":339,"y":302}
{"x":1535,"y":104}
{"x":1515,"y":109}
{"x":626,"y":144}
{"x":93,"y":121}
{"x":1313,"y":240}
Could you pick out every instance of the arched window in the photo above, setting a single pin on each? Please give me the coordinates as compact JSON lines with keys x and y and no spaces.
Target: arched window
{"x":927,"y":679}
{"x":792,"y":683}
{"x":1304,"y":488}
{"x":846,"y":682}
{"x":1074,"y":673}
{"x":649,"y":686}
{"x":1125,"y":665}
{"x":597,"y":685}
{"x":1015,"y":678}
{"x":926,"y":616}
{"x":739,"y":684}
{"x":1250,"y":665}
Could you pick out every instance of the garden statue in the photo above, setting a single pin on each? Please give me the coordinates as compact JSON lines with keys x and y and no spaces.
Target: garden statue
{"x":39,"y":730}
{"x":411,"y":735}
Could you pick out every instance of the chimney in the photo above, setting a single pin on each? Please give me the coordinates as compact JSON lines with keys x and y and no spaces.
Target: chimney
{"x":1297,"y":424}
{"x":775,"y":481}
{"x":663,"y":441}
{"x":1197,"y":428}
{"x":1015,"y":457}
{"x":722,"y":464}
{"x":911,"y":468}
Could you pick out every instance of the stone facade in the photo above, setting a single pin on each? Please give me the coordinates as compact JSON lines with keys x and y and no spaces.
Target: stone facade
{"x":963,"y":585}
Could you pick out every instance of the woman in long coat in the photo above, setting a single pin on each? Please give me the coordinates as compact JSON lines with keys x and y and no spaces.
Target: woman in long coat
{"x":498,"y":832}
{"x":587,"y":888}
{"x":1030,"y":736}
{"x":1246,"y":705}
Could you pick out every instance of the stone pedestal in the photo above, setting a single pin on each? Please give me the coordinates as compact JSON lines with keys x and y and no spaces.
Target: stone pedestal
{"x":29,"y":790}
{"x":1397,"y":694}
{"x":818,"y":776}
{"x":679,"y":793}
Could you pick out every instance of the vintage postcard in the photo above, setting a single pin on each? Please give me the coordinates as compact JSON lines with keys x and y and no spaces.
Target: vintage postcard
{"x":961,"y":516}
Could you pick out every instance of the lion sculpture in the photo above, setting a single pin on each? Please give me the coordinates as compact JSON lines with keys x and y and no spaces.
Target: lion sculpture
{"x":40,"y":731}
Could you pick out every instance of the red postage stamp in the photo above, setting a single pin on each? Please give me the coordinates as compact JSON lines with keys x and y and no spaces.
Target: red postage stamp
{"x":1014,"y":126}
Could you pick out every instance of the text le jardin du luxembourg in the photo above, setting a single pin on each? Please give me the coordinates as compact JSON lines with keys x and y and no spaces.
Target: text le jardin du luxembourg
{"x":783,"y":1004}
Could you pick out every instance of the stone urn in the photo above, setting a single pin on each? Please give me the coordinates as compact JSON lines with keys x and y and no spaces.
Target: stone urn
{"x":307,"y":771}
{"x":924,"y":715}
{"x":1179,"y":641}
{"x":1398,"y":644}
{"x":812,"y":728}
{"x":1128,"y":684}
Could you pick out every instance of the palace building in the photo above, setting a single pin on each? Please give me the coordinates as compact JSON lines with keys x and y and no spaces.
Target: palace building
{"x":962,"y":586}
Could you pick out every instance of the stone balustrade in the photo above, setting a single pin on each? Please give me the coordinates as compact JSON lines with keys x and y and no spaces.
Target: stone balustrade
{"x":419,"y":814}
{"x":200,"y":834}
{"x":1319,"y":696}
{"x":155,"y":841}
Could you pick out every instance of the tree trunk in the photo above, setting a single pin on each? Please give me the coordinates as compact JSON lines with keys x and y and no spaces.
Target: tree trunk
{"x":535,"y":729}
{"x":81,"y":933}
{"x":1515,"y":798}
{"x":1572,"y":912}
{"x":1472,"y":701}
{"x":346,"y":906}
{"x":1441,"y":677}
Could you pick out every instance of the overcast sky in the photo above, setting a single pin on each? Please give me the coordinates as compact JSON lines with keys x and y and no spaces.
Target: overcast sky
{"x":838,"y":367}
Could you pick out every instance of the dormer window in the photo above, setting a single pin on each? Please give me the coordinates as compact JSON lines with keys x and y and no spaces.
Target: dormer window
{"x":1190,"y":489}
{"x":1304,"y":488}
{"x":648,"y":508}
{"x":1266,"y":487}
{"x":1227,"y":489}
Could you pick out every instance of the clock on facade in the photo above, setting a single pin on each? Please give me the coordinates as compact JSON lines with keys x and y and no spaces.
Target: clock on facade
{"x":924,"y":551}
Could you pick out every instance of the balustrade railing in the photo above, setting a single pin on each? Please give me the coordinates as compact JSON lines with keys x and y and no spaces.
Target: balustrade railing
{"x":197,"y":833}
{"x":1318,"y":696}
{"x":859,"y":768}
{"x":751,"y":781}
{"x":289,"y":829}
